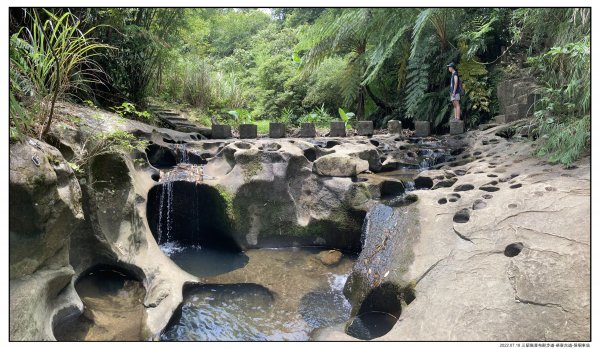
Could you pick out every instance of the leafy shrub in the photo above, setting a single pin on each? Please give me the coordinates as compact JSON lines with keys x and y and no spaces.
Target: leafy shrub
{"x":99,"y":143}
{"x":320,"y":117}
{"x":563,"y":113}
{"x":128,"y":110}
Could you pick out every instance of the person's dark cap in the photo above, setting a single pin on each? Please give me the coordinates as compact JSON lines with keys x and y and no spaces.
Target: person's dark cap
{"x":451,"y":65}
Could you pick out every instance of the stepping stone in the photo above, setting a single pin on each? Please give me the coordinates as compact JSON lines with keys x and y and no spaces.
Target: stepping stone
{"x":307,"y":130}
{"x":365,"y":128}
{"x":221,"y":131}
{"x":457,"y":127}
{"x":337,"y":129}
{"x":248,"y":131}
{"x":422,"y":128}
{"x":394,"y":127}
{"x":276,"y":130}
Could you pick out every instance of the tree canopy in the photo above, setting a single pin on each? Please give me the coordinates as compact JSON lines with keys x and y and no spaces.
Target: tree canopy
{"x":304,"y":64}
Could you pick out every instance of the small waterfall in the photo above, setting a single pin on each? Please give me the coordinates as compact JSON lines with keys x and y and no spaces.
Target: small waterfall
{"x":183,"y":154}
{"x":165,"y":209}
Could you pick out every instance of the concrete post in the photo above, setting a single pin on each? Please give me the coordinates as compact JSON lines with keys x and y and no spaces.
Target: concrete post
{"x":422,"y":128}
{"x":276,"y":130}
{"x":365,"y":128}
{"x":457,"y":127}
{"x":248,"y":131}
{"x":337,"y":129}
{"x":394,"y":127}
{"x":221,"y":131}
{"x":307,"y":130}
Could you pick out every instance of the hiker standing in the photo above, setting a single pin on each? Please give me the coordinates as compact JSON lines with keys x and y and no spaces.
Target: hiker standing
{"x":454,"y":90}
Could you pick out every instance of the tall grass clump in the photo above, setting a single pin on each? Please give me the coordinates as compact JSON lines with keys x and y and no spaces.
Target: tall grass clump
{"x":48,"y":60}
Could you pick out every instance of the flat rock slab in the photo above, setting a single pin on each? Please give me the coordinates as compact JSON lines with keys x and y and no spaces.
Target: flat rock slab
{"x":336,"y":165}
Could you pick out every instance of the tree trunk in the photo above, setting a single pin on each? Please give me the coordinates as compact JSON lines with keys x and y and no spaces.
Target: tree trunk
{"x":380,"y":102}
{"x":360,"y":104}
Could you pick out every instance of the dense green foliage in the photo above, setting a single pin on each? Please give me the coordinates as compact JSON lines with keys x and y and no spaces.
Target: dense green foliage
{"x":308,"y":64}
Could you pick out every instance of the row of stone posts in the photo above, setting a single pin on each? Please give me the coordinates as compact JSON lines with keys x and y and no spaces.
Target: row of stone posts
{"x":422,"y":128}
{"x":277,"y":130}
{"x":337,"y":129}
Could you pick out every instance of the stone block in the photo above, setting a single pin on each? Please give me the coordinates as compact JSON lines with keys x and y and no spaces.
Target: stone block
{"x":422,"y":128}
{"x":337,"y":129}
{"x":457,"y":127}
{"x":307,"y":130}
{"x":365,"y":128}
{"x":276,"y":130}
{"x":248,"y":131}
{"x":394,"y":127}
{"x":221,"y":131}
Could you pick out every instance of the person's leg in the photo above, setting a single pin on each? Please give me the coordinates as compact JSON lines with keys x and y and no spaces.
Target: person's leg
{"x":455,"y":105}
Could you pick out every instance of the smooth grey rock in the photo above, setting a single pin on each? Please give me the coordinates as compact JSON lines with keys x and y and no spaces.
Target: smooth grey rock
{"x":45,"y":210}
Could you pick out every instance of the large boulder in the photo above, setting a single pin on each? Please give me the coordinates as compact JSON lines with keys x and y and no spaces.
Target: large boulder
{"x":336,"y":165}
{"x":389,"y":235}
{"x":277,"y":200}
{"x":117,"y":233}
{"x":45,"y":209}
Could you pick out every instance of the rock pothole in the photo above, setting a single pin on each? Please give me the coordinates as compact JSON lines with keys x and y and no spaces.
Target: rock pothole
{"x":378,"y":313}
{"x":479,"y":204}
{"x":489,"y":188}
{"x":464,"y":187}
{"x":462,"y":216}
{"x":513,"y":249}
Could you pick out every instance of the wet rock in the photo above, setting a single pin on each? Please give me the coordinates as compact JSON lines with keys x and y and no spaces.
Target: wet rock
{"x":331,"y":257}
{"x":339,"y":166}
{"x":389,"y":234}
{"x":319,"y":203}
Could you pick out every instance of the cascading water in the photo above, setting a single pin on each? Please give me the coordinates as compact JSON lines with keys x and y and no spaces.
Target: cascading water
{"x":183,"y":154}
{"x":164,"y":211}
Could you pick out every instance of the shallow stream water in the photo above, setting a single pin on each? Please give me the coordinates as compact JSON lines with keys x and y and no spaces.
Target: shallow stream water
{"x":279,"y":294}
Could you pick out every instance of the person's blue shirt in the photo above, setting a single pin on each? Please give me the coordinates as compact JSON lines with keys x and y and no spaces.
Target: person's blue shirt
{"x":452,"y":82}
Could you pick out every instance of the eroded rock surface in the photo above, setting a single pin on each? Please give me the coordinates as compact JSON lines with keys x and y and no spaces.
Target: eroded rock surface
{"x":503,"y":253}
{"x":45,"y":209}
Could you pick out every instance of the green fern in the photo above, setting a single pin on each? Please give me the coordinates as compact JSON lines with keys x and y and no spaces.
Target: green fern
{"x":417,"y":83}
{"x":565,"y":142}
